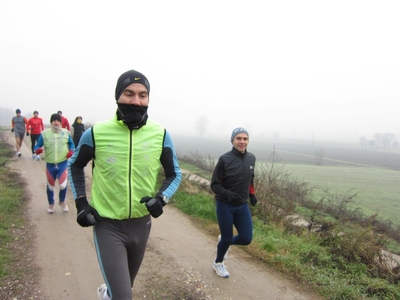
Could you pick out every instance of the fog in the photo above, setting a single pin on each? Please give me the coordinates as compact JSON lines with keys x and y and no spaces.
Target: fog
{"x":297,"y":69}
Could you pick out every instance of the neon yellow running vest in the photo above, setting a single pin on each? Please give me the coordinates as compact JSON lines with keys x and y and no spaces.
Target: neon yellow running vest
{"x":55,"y":145}
{"x":125,"y":168}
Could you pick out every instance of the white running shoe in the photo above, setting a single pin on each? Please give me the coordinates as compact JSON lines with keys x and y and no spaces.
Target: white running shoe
{"x":227,"y":251}
{"x":221,"y":270}
{"x":37,"y":157}
{"x":50,"y":210}
{"x":19,"y":154}
{"x":34,"y":155}
{"x":102,"y":292}
{"x":64,"y":206}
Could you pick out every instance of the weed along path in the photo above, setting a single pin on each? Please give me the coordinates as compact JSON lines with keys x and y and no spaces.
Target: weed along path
{"x":177,"y":264}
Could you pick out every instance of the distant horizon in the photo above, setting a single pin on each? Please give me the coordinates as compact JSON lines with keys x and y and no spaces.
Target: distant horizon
{"x":343,"y":137}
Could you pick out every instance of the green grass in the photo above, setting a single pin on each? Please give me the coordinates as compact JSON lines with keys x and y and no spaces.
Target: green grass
{"x":298,"y":256}
{"x":11,"y":202}
{"x":189,"y":167}
{"x":377,"y":189}
{"x":204,"y":210}
{"x":195,"y":170}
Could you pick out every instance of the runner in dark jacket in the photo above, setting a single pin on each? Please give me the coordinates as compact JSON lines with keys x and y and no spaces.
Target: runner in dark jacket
{"x":232,"y":183}
{"x":79,"y":128}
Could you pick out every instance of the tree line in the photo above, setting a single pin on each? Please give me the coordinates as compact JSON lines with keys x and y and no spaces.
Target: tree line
{"x":380,"y":140}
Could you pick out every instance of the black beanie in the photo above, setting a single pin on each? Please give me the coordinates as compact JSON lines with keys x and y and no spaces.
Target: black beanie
{"x":55,"y":117}
{"x":128,"y":78}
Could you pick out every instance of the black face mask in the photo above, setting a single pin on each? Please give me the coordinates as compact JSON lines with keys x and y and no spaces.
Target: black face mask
{"x":133,"y":116}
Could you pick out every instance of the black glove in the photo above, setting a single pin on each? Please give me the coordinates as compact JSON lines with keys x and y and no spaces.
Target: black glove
{"x":87,"y":215}
{"x":233,"y":198}
{"x":253,"y":200}
{"x":12,"y":129}
{"x":27,"y":134}
{"x":154,"y":205}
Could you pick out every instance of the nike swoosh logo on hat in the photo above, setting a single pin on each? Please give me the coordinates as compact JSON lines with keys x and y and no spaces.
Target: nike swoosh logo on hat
{"x":137,"y":78}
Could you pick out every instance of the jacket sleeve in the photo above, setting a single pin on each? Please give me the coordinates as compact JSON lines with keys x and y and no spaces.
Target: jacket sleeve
{"x":216,"y":180}
{"x":77,"y":163}
{"x":252,"y":191}
{"x":39,"y":143}
{"x":169,"y":161}
{"x":71,"y":145}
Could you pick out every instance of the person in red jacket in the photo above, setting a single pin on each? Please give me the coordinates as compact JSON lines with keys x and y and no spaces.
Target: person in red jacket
{"x":64,"y":121}
{"x":35,"y":128}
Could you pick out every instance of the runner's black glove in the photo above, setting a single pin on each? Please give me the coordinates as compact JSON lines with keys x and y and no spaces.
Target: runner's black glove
{"x":253,"y":199}
{"x":12,"y":129}
{"x":153,"y":205}
{"x":233,"y":198}
{"x":87,"y":215}
{"x":27,"y":134}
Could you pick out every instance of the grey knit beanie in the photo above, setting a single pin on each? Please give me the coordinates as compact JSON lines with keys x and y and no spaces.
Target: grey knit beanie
{"x":238,"y":130}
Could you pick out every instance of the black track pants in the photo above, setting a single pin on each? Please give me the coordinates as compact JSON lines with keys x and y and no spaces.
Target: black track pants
{"x":120,"y":247}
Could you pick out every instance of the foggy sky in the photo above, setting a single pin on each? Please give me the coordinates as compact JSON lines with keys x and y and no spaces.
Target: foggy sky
{"x":329,"y":68}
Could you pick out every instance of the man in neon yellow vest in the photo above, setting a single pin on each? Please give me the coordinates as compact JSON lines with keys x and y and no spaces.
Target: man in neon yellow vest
{"x":128,"y":152}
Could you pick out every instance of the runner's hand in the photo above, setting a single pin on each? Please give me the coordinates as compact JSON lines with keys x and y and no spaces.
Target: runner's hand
{"x":253,"y":200}
{"x":233,"y":198}
{"x":69,"y":154}
{"x":153,"y":205}
{"x":87,"y":215}
{"x":12,"y":129}
{"x":236,"y":200}
{"x":27,"y":134}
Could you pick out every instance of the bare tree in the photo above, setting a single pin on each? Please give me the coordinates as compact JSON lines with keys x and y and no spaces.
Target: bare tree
{"x":201,"y":125}
{"x":387,"y":139}
{"x":371,"y":143}
{"x":384,"y":140}
{"x":363,"y":141}
{"x":377,"y":138}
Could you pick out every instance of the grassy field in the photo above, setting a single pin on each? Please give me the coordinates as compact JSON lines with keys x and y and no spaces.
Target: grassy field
{"x":378,"y":189}
{"x":302,"y":152}
{"x":374,"y":174}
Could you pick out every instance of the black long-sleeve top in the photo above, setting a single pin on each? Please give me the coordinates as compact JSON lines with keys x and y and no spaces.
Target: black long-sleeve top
{"x":234,"y":172}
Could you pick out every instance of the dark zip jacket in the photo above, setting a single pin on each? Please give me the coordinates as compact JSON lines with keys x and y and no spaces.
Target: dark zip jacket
{"x":232,"y":179}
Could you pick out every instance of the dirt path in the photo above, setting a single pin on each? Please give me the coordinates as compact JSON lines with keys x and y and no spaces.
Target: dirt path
{"x":177,"y":264}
